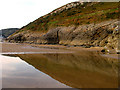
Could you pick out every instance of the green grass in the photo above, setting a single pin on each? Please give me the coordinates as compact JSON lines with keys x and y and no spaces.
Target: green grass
{"x":54,"y":22}
{"x":76,"y":16}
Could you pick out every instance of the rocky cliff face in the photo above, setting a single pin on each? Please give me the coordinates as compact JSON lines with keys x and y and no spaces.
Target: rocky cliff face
{"x":101,"y":34}
{"x":78,"y":24}
{"x":65,"y":7}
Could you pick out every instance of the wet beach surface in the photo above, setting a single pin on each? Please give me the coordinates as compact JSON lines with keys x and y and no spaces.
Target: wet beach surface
{"x":81,"y":69}
{"x":27,"y":48}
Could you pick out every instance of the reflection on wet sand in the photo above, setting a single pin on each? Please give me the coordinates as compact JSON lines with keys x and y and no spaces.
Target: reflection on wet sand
{"x":78,"y":70}
{"x":18,"y":74}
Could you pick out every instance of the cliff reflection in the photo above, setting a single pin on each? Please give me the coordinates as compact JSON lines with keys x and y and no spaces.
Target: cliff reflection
{"x":78,"y":70}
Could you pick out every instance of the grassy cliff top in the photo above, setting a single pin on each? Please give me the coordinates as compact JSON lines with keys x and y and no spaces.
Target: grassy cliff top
{"x":75,"y":13}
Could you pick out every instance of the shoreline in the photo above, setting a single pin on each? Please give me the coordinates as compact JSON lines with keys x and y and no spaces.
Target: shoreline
{"x":25,"y":48}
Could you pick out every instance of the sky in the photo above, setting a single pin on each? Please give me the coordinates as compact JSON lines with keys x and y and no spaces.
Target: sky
{"x":18,"y":13}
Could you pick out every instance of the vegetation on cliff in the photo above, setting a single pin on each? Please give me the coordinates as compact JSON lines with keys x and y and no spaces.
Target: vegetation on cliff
{"x":84,"y":24}
{"x":75,"y":14}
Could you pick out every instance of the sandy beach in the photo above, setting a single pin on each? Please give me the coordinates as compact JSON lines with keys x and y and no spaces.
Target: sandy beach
{"x":16,"y":47}
{"x":21,"y":48}
{"x":58,"y":62}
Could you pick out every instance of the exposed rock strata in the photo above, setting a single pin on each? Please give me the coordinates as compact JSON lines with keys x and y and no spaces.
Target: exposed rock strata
{"x":101,"y":34}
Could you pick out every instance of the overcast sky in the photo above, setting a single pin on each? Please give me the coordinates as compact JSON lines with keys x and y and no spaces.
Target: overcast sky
{"x":18,"y":13}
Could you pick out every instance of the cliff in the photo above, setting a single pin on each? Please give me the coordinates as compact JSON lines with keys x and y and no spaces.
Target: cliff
{"x":84,"y":24}
{"x":7,"y":32}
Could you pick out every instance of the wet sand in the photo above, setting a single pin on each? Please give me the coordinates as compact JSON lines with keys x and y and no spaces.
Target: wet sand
{"x":34,"y":48}
{"x":82,"y":62}
{"x":15,"y":47}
